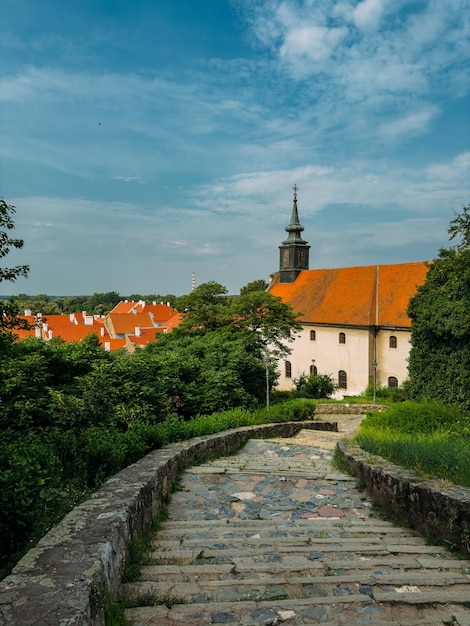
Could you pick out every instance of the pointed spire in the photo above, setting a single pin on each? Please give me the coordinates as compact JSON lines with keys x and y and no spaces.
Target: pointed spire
{"x":294,"y":251}
{"x":295,"y":227}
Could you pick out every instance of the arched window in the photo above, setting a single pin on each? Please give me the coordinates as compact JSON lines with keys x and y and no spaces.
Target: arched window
{"x":392,"y":342}
{"x":342,"y":338}
{"x":392,"y":381}
{"x":313,"y":370}
{"x":342,"y":379}
{"x":313,"y":335}
{"x":288,"y":366}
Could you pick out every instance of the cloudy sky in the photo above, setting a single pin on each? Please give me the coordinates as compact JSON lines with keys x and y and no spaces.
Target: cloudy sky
{"x":144,"y":140}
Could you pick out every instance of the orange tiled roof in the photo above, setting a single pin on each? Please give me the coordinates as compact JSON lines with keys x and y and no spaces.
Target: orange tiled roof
{"x":125,"y":323}
{"x":64,"y":328}
{"x":161,"y":312}
{"x":347,"y":296}
{"x":146,"y":336}
{"x":174,"y":321}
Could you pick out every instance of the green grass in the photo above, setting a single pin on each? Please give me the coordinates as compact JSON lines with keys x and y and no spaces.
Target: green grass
{"x":432,"y":439}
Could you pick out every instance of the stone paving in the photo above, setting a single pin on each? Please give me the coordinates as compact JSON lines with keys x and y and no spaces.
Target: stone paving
{"x":276,"y":535}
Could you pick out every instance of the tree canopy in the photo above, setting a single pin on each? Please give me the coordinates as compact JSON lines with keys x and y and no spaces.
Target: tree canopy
{"x":439,"y":361}
{"x":209,"y":307}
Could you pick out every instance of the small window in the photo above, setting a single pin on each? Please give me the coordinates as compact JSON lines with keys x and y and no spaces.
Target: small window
{"x":313,"y":335}
{"x":313,"y":370}
{"x":392,"y":381}
{"x":392,"y":342}
{"x":342,"y":379}
{"x":288,"y":369}
{"x":342,"y":338}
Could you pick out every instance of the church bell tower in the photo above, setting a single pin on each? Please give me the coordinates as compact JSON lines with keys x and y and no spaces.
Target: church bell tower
{"x":294,"y":250}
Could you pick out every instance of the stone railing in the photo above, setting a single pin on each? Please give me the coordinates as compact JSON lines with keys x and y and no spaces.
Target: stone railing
{"x":436,"y":508}
{"x":65,"y":579}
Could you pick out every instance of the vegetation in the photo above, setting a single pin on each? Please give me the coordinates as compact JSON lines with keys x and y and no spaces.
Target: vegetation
{"x":10,"y":310}
{"x":439,"y":361}
{"x":72,"y":414}
{"x":314,"y":386}
{"x":428,"y":437}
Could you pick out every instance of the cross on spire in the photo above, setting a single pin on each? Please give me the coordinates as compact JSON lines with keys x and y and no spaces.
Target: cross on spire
{"x":296,"y":189}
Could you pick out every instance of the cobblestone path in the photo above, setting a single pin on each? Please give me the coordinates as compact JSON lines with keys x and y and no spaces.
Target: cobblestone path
{"x":276,"y":535}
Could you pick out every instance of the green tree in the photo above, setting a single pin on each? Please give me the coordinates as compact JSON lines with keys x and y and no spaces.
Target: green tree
{"x":7,"y":243}
{"x":9,"y":312}
{"x":205,"y":308}
{"x":205,"y":371}
{"x":439,"y":361}
{"x":101,"y":303}
{"x":208,"y":307}
{"x":273,"y":319}
{"x":255,"y":285}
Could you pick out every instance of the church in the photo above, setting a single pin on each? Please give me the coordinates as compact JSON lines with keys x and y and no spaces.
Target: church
{"x":354,"y":321}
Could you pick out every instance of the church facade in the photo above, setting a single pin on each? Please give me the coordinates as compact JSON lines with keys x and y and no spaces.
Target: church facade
{"x":354,"y":322}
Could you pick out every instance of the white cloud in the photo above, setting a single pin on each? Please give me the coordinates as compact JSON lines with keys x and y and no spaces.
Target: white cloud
{"x":368,"y":13}
{"x":312,"y":42}
{"x":410,"y":124}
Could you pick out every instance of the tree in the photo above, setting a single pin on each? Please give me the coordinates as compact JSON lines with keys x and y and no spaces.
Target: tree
{"x":209,"y":308}
{"x":9,"y":313}
{"x":439,"y":361}
{"x":101,"y":303}
{"x":255,"y":285}
{"x":205,"y":371}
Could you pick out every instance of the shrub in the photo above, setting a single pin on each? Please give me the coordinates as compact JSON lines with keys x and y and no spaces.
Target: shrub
{"x":314,"y":386}
{"x":32,"y":496}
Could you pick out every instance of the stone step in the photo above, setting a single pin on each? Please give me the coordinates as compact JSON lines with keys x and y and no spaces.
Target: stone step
{"x":398,"y":587}
{"x":310,"y":549}
{"x":355,"y":609}
{"x":235,"y":539}
{"x":387,"y":566}
{"x":270,"y":525}
{"x":200,"y":553}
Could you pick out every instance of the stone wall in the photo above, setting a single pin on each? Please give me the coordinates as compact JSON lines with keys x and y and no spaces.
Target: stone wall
{"x":65,"y":578}
{"x":439,"y":510}
{"x":352,"y":409}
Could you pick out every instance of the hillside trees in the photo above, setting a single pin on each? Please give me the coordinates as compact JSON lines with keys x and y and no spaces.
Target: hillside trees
{"x":439,"y":361}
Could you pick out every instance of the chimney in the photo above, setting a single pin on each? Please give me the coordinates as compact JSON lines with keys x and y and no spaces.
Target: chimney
{"x":137,"y":332}
{"x":27,"y":312}
{"x":102,"y":331}
{"x":49,"y":334}
{"x":37,"y":332}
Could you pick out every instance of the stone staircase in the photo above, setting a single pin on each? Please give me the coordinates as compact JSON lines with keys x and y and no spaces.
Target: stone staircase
{"x":275,"y":534}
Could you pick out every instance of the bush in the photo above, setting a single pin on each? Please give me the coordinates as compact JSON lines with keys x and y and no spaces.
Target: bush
{"x":314,"y":386}
{"x":32,"y":495}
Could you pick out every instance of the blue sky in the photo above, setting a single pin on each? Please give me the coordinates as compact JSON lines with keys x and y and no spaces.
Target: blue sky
{"x":144,"y":140}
